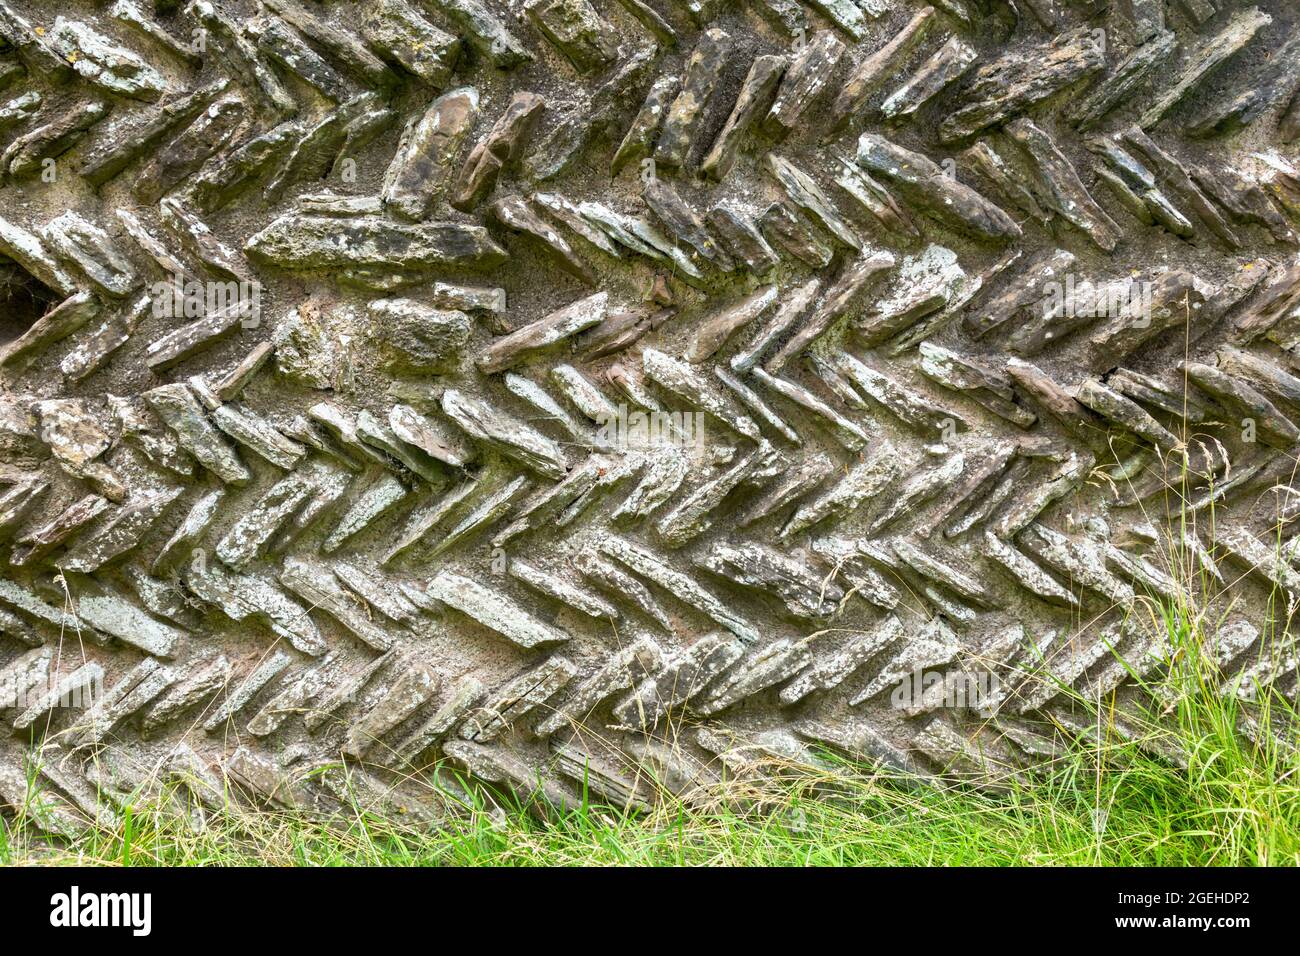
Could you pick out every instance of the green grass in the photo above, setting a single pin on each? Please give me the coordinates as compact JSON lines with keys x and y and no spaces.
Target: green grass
{"x":1108,"y":798}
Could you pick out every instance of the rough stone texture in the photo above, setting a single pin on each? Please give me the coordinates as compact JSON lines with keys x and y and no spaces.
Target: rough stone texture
{"x":601,"y":386}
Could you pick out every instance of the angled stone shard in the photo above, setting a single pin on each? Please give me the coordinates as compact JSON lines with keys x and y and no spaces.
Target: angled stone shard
{"x":687,"y":384}
{"x":227,"y":175}
{"x":29,"y":252}
{"x":518,"y":701}
{"x":849,"y":16}
{"x":803,"y":83}
{"x":279,"y":42}
{"x":907,"y":405}
{"x":1021,"y":294}
{"x":802,"y":591}
{"x":925,"y":185}
{"x":415,"y":685}
{"x":831,"y":670}
{"x":1121,"y":83}
{"x":218,"y":125}
{"x":1018,"y":80}
{"x":754,"y":100}
{"x":131,"y":694}
{"x":510,"y":436}
{"x":1065,"y":192}
{"x":121,"y":533}
{"x":1181,"y":185}
{"x":876,"y":68}
{"x":1274,"y":428}
{"x":696,"y":512}
{"x":1205,"y":60}
{"x":119,"y":618}
{"x":510,"y":350}
{"x":641,"y":136}
{"x":577,"y":31}
{"x":240,"y":54}
{"x":394,"y":28}
{"x":181,"y":412}
{"x":640,"y":236}
{"x":1027,"y":573}
{"x":946,"y":66}
{"x":33,"y":48}
{"x":977,"y":381}
{"x":682,"y":119}
{"x":52,"y":327}
{"x":485,"y":31}
{"x":790,"y":230}
{"x":624,"y":670}
{"x":126,"y":139}
{"x":241,"y":695}
{"x":558,"y":589}
{"x":714,"y":332}
{"x":84,"y":680}
{"x":90,"y":249}
{"x":493,"y":610}
{"x":502,"y":147}
{"x":854,"y":279}
{"x":934,"y":647}
{"x":683,"y":676}
{"x":379,"y":497}
{"x":808,"y":196}
{"x":250,"y":535}
{"x":103,"y":63}
{"x":864,"y":479}
{"x":27,"y":154}
{"x":241,"y":596}
{"x":684,"y":225}
{"x":766,"y":668}
{"x":679,"y":584}
{"x":523,"y":219}
{"x":739,"y":235}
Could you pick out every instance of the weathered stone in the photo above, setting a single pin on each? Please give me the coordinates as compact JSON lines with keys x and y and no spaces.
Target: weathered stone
{"x":493,"y":610}
{"x":577,"y":30}
{"x":99,"y":61}
{"x":424,"y":339}
{"x":28,"y":154}
{"x":54,"y":326}
{"x":180,"y":410}
{"x":280,"y":43}
{"x":1066,"y":194}
{"x":754,"y":100}
{"x":397,"y":30}
{"x":135,"y":134}
{"x":322,"y":242}
{"x":503,"y":145}
{"x":1207,"y":59}
{"x":1017,"y":81}
{"x":639,"y":140}
{"x":803,"y":83}
{"x":489,"y":36}
{"x":946,"y":66}
{"x":927,"y":186}
{"x":240,"y":54}
{"x":682,"y":119}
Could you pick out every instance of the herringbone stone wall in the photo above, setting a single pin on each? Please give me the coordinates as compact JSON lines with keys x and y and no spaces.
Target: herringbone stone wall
{"x":611,"y":395}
